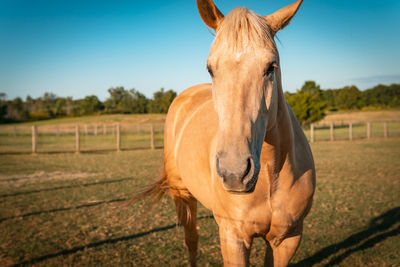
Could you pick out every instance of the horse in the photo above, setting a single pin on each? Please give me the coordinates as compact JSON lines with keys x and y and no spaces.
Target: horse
{"x":236,"y":146}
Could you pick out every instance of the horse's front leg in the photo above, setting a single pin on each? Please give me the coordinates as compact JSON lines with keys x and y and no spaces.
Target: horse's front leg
{"x":280,"y":255}
{"x":235,"y":250}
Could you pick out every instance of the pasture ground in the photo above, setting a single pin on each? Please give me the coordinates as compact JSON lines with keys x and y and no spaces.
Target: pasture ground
{"x":68,"y":209}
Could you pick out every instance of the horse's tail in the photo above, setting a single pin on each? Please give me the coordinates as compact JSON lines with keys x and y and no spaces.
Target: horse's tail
{"x":154,"y":191}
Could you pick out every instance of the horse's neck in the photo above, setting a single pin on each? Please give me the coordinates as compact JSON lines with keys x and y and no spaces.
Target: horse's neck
{"x":278,"y":142}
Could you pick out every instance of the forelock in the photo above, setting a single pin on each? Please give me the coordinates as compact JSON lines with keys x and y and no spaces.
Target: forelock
{"x":242,"y":29}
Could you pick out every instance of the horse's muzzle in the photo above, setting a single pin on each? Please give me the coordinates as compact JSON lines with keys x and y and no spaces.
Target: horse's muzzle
{"x":237,"y":176}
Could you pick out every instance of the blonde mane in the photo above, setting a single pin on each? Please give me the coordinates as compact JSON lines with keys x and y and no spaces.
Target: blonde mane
{"x":242,"y":29}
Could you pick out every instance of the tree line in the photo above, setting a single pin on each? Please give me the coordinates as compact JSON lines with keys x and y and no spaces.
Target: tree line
{"x":309,"y":103}
{"x":50,"y":106}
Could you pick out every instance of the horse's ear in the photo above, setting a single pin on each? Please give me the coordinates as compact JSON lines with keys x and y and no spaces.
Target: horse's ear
{"x":281,"y":18}
{"x":209,"y":13}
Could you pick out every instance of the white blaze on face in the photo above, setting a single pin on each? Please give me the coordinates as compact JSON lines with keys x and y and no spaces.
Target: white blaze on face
{"x":238,"y":57}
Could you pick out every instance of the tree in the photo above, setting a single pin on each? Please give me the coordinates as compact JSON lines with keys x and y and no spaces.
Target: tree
{"x":124,"y":101}
{"x":329,"y":97}
{"x":310,"y":87}
{"x":59,"y":107}
{"x":16,"y":111}
{"x":382,"y":96}
{"x":348,"y":97}
{"x":115,"y":103}
{"x":161,"y":101}
{"x":140,"y":102}
{"x":49,"y":100}
{"x":307,"y":103}
{"x":89,"y":105}
{"x":3,"y":107}
{"x":69,"y":105}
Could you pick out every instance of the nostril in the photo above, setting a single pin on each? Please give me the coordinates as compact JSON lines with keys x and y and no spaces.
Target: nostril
{"x":247,"y":169}
{"x":218,"y":167}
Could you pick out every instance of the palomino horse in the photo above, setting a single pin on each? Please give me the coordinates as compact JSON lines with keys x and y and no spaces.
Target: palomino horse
{"x":236,"y":146}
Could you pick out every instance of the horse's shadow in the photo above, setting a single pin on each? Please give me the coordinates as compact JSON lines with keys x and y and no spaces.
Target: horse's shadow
{"x":379,"y":229}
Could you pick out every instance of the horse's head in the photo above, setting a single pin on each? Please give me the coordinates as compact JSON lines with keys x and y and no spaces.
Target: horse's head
{"x":245,"y":71}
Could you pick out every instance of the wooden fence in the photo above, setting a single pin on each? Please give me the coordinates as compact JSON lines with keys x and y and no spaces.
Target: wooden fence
{"x":353,"y":130}
{"x":117,"y":137}
{"x":80,"y":138}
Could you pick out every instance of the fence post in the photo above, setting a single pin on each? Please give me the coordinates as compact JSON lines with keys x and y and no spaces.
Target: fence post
{"x":77,"y":139}
{"x":14,"y":131}
{"x":152,"y":137}
{"x":34,"y":139}
{"x":312,"y":132}
{"x":350,"y":131}
{"x":57,"y":131}
{"x":332,"y":136}
{"x":95,"y":130}
{"x":118,"y":137}
{"x":104,"y":129}
{"x":385,"y":130}
{"x":368,"y":130}
{"x":86,"y":129}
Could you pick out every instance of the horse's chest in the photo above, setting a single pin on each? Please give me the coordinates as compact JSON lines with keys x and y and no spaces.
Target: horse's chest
{"x":257,"y":225}
{"x":248,"y":218}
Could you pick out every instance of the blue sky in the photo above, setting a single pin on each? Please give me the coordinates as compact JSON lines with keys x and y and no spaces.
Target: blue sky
{"x":78,"y":48}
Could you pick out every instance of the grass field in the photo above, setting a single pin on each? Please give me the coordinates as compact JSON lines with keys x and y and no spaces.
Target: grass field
{"x":67,"y":209}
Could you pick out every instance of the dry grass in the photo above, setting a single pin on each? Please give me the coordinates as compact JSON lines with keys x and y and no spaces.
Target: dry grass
{"x":101,"y":119}
{"x":67,"y":209}
{"x":361,"y":116}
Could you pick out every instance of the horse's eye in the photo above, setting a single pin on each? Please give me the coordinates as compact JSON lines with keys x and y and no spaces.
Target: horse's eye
{"x":210,"y":71}
{"x":270,"y":70}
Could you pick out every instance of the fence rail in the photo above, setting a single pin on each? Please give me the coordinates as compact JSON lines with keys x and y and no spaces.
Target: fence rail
{"x":117,"y":137}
